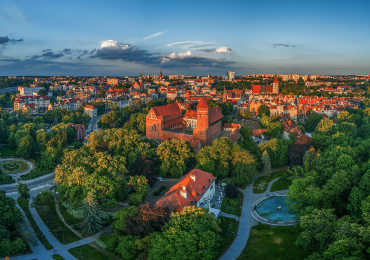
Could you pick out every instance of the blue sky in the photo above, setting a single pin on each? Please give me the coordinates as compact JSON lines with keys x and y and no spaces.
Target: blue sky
{"x":122,"y":38}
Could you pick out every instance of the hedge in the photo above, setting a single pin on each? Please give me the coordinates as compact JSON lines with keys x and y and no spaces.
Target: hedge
{"x":24,"y":205}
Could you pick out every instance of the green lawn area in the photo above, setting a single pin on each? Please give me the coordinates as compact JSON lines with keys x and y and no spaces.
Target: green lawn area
{"x":260,"y":184}
{"x":87,"y":252}
{"x":69,"y":219}
{"x":281,"y":185}
{"x":273,"y":243}
{"x":229,"y":227}
{"x":232,"y":206}
{"x":51,"y":219}
{"x":7,"y":151}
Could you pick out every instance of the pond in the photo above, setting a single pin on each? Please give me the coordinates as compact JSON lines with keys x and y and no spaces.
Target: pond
{"x":276,"y":209}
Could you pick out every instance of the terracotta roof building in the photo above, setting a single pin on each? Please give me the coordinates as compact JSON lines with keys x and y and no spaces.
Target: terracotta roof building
{"x":167,"y":122}
{"x":197,"y":188}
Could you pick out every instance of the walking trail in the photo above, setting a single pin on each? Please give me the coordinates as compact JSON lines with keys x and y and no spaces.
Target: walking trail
{"x":242,"y":236}
{"x":39,"y":251}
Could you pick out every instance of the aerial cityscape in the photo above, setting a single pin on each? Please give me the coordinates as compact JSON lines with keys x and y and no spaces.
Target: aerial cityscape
{"x":202,"y":130}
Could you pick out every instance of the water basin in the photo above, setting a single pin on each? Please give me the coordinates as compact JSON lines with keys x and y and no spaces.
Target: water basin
{"x":276,"y":209}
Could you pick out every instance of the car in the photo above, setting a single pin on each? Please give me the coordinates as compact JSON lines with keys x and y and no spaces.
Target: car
{"x":155,"y":179}
{"x":160,"y":178}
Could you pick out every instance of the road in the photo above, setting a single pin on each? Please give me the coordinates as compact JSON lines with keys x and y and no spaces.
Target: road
{"x":93,"y":125}
{"x":35,"y":185}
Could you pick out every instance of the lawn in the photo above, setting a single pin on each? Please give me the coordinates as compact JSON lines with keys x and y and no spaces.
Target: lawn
{"x":273,"y":243}
{"x":56,"y":226}
{"x":232,"y":206}
{"x":229,"y":227}
{"x":69,"y":219}
{"x":87,"y":252}
{"x":260,"y":184}
{"x":281,"y":185}
{"x":7,"y":151}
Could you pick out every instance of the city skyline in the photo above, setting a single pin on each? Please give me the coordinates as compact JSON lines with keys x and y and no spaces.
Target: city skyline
{"x":121,"y":39}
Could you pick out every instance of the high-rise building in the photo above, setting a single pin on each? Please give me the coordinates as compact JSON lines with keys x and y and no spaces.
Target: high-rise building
{"x":231,"y":75}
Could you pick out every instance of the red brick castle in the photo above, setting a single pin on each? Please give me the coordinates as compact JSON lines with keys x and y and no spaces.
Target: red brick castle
{"x":167,"y":122}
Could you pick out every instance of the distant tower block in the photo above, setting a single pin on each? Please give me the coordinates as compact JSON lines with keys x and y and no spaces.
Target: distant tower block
{"x":275,"y":86}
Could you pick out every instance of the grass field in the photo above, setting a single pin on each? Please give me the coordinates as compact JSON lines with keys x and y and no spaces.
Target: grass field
{"x":260,"y":184}
{"x":87,"y":252}
{"x":278,"y":185}
{"x":69,"y":219}
{"x":273,"y":244}
{"x":7,"y":151}
{"x":56,"y":226}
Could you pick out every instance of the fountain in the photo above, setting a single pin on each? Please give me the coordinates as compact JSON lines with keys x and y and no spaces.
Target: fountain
{"x":268,"y":208}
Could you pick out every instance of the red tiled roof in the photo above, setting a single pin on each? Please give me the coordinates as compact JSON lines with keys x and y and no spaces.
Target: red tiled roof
{"x":173,"y":198}
{"x":173,"y":121}
{"x":258,"y":132}
{"x":276,"y":80}
{"x":214,"y":115}
{"x":167,"y":110}
{"x":202,"y":103}
{"x":234,"y":136}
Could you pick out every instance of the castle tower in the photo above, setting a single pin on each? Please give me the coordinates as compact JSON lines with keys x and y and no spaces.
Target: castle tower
{"x":224,"y":97}
{"x":275,"y":86}
{"x":202,"y":115}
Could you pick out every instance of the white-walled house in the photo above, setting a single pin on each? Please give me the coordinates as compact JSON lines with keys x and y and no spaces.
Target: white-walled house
{"x":197,"y":188}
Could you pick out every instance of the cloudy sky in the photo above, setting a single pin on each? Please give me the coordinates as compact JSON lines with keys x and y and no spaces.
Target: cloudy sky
{"x":121,"y":38}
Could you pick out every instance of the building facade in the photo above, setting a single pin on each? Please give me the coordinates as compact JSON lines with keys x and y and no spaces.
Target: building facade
{"x":166,"y":122}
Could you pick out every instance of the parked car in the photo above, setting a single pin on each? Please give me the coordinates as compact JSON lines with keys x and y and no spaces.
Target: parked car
{"x":160,"y":178}
{"x":155,"y":179}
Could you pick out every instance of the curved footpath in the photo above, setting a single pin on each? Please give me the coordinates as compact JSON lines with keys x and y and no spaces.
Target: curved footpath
{"x":39,"y":251}
{"x":242,"y":236}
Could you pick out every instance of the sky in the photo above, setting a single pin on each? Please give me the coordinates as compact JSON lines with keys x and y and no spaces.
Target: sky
{"x":126,"y":38}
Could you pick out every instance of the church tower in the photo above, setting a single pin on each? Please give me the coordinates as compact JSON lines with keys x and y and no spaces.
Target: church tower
{"x":275,"y":86}
{"x":161,"y":75}
{"x":224,"y":97}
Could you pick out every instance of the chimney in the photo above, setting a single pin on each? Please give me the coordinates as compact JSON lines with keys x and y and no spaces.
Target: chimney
{"x":183,"y":193}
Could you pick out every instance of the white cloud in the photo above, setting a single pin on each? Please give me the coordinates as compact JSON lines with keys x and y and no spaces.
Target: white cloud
{"x":154,"y":35}
{"x":190,"y":44}
{"x":218,"y":50}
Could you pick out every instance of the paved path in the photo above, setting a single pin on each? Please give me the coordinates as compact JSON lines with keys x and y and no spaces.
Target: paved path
{"x":84,"y":241}
{"x":41,"y":183}
{"x":241,"y":239}
{"x":229,"y":216}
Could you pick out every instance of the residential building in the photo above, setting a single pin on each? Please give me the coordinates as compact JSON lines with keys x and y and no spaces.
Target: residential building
{"x":91,"y":110}
{"x":197,"y":188}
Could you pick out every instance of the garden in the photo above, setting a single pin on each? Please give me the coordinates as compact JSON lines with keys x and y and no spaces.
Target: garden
{"x":13,"y":166}
{"x":233,"y":201}
{"x":46,"y":208}
{"x":273,"y":243}
{"x":261,"y":183}
{"x":87,"y":252}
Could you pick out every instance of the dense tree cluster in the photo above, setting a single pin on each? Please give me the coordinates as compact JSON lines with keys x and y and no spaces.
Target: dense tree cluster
{"x":10,"y":219}
{"x":99,"y":166}
{"x":66,"y":116}
{"x":333,"y":195}
{"x":175,"y":156}
{"x":225,"y":160}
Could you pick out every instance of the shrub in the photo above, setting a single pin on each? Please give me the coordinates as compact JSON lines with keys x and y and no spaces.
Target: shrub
{"x":231,"y":191}
{"x":57,"y":257}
